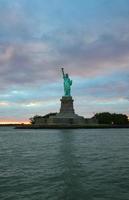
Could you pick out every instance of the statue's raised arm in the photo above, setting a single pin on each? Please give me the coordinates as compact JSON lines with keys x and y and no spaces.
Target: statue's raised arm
{"x":63,"y":72}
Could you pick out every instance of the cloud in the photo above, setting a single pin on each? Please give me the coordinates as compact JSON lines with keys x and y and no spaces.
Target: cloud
{"x":2,"y":103}
{"x":39,"y":62}
{"x":105,"y":55}
{"x":90,"y":40}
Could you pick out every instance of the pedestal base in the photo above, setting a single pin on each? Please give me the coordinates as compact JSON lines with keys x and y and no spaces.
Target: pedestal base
{"x":67,"y":105}
{"x":67,"y":114}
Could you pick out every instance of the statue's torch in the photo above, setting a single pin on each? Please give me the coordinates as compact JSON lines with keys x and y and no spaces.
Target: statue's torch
{"x":63,"y":71}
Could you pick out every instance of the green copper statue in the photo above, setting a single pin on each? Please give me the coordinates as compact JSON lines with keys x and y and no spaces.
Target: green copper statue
{"x":67,"y":83}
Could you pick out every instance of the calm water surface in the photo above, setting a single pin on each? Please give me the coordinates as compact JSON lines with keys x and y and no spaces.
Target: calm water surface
{"x":64,"y":164}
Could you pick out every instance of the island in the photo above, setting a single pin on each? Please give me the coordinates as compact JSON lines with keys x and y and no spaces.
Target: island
{"x":67,"y":117}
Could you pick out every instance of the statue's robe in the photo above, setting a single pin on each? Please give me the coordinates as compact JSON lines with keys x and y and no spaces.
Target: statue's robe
{"x":67,"y":86}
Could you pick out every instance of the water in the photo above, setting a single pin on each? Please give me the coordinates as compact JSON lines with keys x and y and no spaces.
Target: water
{"x":64,"y":164}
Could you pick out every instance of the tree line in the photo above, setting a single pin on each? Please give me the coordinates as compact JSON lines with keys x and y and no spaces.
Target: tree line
{"x":111,"y":118}
{"x":100,"y":118}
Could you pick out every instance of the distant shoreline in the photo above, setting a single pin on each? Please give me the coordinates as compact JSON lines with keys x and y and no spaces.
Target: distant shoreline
{"x":88,"y":126}
{"x":102,"y":126}
{"x":2,"y":125}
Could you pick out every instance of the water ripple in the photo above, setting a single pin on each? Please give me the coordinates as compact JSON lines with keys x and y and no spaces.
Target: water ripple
{"x":64,"y":164}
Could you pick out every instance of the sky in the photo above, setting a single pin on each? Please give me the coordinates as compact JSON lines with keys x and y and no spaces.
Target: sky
{"x":89,"y":38}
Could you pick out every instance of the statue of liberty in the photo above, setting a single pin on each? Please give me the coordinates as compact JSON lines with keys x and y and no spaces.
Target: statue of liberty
{"x":67,"y":83}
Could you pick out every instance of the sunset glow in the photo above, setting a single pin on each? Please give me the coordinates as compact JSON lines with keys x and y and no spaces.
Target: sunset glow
{"x":14,"y":122}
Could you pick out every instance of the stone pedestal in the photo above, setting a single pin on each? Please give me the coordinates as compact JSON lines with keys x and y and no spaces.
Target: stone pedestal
{"x":65,"y":118}
{"x":67,"y":105}
{"x":67,"y":115}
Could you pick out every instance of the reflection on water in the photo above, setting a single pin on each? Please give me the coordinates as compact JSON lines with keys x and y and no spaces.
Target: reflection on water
{"x":64,"y":164}
{"x":72,"y":168}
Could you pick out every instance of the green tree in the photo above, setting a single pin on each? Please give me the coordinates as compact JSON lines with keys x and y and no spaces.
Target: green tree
{"x":104,"y":118}
{"x":111,"y":118}
{"x":119,"y":119}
